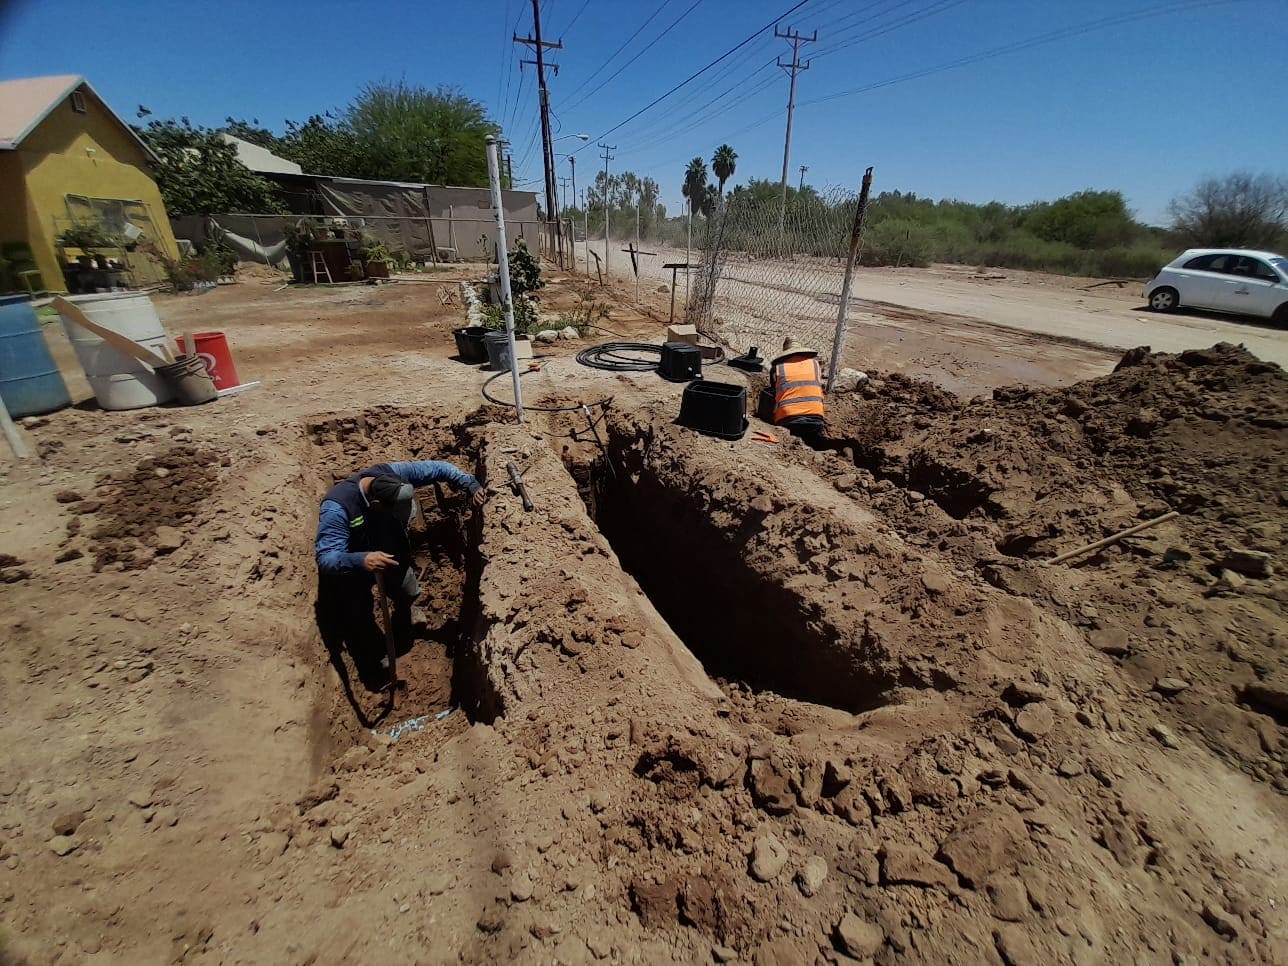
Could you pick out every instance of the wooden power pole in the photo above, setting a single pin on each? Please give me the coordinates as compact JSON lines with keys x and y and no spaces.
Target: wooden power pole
{"x":547,"y":145}
{"x":795,"y":67}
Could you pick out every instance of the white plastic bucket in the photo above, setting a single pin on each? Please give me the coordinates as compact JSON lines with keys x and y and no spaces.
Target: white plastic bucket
{"x":118,"y":381}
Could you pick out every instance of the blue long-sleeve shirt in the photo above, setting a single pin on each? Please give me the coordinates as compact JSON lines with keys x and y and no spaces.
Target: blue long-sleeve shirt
{"x":331,"y":548}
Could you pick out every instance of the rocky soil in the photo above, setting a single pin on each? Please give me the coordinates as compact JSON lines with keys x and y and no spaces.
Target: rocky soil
{"x":707,"y":701}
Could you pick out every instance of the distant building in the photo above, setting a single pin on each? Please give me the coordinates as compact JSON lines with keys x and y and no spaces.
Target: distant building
{"x":67,"y":161}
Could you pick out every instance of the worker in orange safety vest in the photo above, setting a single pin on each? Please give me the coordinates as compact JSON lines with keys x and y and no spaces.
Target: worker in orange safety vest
{"x":796,"y":380}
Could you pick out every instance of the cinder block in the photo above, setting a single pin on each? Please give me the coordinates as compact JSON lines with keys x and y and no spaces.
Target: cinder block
{"x":682,"y":333}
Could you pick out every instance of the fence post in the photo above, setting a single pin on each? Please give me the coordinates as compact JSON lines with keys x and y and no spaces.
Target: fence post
{"x":503,"y":268}
{"x":855,"y":234}
{"x":688,"y":258}
{"x":585,"y":223}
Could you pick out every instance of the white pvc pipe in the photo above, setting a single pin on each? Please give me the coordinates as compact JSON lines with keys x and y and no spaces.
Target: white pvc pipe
{"x":503,"y":268}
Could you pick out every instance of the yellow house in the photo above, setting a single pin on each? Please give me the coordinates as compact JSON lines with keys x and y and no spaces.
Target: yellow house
{"x":67,"y":163}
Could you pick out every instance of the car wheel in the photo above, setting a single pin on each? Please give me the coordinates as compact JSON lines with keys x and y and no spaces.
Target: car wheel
{"x":1164,"y":299}
{"x":1280,"y":317}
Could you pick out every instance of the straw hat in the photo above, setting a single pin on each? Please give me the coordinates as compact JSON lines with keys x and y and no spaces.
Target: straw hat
{"x":792,"y":348}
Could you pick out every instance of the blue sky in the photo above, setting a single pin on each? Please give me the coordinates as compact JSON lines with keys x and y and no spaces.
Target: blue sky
{"x":1147,"y":106}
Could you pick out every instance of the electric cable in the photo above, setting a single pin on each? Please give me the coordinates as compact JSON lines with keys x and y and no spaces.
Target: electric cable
{"x":606,"y":401}
{"x":698,"y":73}
{"x":609,"y":358}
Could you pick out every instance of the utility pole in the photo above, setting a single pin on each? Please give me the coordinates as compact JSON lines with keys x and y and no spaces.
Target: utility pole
{"x":572,"y":164}
{"x":607,"y":157}
{"x":804,"y":168}
{"x":547,"y":150}
{"x":509,"y":170}
{"x":503,"y":268}
{"x":563,"y":184}
{"x":795,"y":67}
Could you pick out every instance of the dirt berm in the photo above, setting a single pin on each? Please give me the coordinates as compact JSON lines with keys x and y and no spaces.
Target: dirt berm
{"x":765,"y":704}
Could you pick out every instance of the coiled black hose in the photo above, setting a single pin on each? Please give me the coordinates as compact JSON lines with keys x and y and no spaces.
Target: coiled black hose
{"x":610,"y":357}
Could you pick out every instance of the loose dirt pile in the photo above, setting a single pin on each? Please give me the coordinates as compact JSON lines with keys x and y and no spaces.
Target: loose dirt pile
{"x":713,"y":701}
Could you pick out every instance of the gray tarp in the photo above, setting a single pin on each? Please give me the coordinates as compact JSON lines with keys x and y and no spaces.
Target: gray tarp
{"x":406,"y":217}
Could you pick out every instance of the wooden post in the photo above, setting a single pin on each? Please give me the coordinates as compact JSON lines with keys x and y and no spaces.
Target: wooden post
{"x":855,"y":235}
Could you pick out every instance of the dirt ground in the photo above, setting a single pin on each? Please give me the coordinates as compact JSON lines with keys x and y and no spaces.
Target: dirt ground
{"x":707,"y":701}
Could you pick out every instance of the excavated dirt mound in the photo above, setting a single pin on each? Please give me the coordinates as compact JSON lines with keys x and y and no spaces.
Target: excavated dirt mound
{"x":710,"y":701}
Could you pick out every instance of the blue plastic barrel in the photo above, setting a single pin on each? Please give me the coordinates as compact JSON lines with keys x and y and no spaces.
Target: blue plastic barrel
{"x":29,"y":381}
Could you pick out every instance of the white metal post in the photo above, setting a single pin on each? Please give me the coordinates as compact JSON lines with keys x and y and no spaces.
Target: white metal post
{"x":585,"y":219}
{"x":503,"y":268}
{"x":636,"y":266}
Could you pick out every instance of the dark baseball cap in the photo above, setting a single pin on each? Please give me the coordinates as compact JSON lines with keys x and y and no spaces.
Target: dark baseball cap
{"x":393,"y":494}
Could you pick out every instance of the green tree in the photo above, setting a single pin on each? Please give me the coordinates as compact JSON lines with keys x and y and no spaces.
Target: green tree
{"x":695,"y":184}
{"x":199,"y":173}
{"x":409,"y":133}
{"x":723,"y":164}
{"x":1244,"y":209}
{"x":1086,"y":219}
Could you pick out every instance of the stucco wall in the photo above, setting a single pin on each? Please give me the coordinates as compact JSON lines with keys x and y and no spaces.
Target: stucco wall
{"x":81,"y":154}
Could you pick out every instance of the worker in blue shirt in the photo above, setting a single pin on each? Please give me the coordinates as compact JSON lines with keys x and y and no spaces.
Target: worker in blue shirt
{"x":362,"y":531}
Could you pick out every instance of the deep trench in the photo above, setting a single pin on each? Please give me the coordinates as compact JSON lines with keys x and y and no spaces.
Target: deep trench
{"x":744,"y":628}
{"x":438,"y":664}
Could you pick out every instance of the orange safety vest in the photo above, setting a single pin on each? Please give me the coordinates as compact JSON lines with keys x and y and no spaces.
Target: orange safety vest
{"x":798,"y":389}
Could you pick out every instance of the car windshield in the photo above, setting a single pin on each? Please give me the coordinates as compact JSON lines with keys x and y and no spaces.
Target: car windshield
{"x":1281,"y":264}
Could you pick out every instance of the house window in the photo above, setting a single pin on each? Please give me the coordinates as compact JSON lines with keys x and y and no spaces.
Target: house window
{"x":78,"y":102}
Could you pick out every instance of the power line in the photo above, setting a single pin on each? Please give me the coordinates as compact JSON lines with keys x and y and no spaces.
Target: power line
{"x":698,"y":73}
{"x":641,"y":53}
{"x":940,"y":6}
{"x":579,"y":12}
{"x":624,"y":45}
{"x":1050,"y":37}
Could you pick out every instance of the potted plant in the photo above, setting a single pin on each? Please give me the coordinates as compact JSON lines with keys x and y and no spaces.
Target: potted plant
{"x":375,"y":258}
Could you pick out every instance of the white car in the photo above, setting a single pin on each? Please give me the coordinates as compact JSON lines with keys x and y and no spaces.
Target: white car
{"x":1226,"y":280}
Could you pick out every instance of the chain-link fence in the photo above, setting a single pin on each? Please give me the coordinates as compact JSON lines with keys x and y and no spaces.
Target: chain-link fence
{"x":765,"y":273}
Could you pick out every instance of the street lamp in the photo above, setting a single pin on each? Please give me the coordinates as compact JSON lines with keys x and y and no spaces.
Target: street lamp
{"x":579,"y":137}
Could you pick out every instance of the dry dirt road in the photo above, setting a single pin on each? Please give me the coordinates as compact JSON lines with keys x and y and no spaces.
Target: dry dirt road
{"x":952,"y":297}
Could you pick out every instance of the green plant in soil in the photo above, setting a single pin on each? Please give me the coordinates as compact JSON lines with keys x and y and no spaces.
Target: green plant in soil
{"x":526,"y":320}
{"x":525,"y":270}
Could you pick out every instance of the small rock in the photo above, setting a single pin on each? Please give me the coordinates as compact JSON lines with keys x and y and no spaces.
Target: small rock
{"x":493,"y":918}
{"x":140,"y":798}
{"x":1250,"y":563}
{"x":501,"y":861}
{"x":1170,"y":686}
{"x":858,"y":937}
{"x":62,"y":844}
{"x":67,"y":822}
{"x":1164,"y":735}
{"x":521,"y":887}
{"x":1023,"y":692}
{"x":599,"y":801}
{"x":438,"y":883}
{"x":168,"y":539}
{"x":161,"y":472}
{"x":165,"y":817}
{"x":1070,"y":768}
{"x":546,"y":335}
{"x":1010,"y":899}
{"x":811,"y":875}
{"x":935,"y":583}
{"x":339,"y":835}
{"x":768,"y":856}
{"x":762,"y":504}
{"x":1034,"y":722}
{"x":723,"y":954}
{"x":1222,"y":924}
{"x":568,"y":332}
{"x":908,"y":865}
{"x":1112,"y":641}
{"x":1231,"y":581}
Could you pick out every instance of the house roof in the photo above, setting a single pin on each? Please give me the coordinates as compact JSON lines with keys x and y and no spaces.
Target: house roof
{"x":261,"y":160}
{"x":24,"y":103}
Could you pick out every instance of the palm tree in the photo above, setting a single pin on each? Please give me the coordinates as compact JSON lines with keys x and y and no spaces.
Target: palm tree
{"x":723,"y":163}
{"x":695,"y":183}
